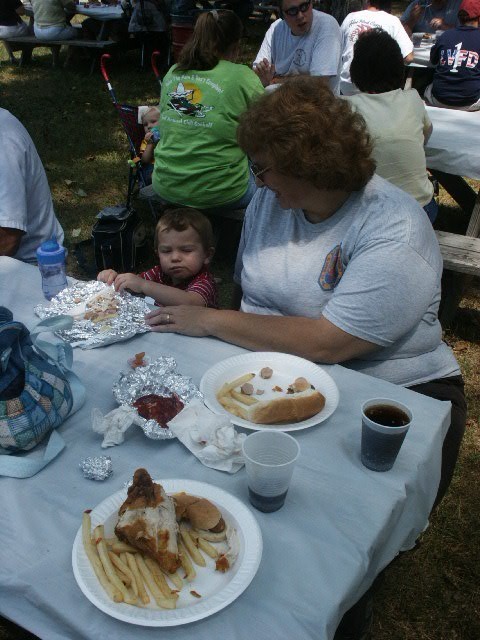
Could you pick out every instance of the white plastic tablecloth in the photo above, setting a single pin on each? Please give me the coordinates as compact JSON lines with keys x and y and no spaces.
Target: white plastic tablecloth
{"x":340,"y":526}
{"x":421,"y":55}
{"x":103,"y":13}
{"x":454,"y":146}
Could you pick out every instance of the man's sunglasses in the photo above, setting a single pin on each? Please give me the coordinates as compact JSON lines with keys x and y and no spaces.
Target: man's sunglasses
{"x":257,"y":172}
{"x":294,"y":11}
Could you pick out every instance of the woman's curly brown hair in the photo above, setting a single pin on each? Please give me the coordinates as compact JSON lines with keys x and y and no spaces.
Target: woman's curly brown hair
{"x":310,"y":134}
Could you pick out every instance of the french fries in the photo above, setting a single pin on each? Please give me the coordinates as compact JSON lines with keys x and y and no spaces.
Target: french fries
{"x":231,"y":406}
{"x":164,"y":603}
{"x":204,"y":545}
{"x":191,"y":547}
{"x":241,"y":397}
{"x":228,"y":386}
{"x":142,"y":592}
{"x":187,"y":565}
{"x":159,"y":578}
{"x":114,"y":593}
{"x":131,"y":577}
{"x":108,"y":566}
{"x":210,"y":536}
{"x":234,"y":401}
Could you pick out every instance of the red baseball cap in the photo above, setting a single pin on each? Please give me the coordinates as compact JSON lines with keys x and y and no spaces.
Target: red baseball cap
{"x":471,"y":8}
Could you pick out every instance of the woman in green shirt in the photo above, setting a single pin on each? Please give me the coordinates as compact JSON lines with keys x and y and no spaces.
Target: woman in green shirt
{"x":198,"y":162}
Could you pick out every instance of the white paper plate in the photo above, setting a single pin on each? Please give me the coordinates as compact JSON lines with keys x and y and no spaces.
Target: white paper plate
{"x":217,"y":589}
{"x":285,"y":369}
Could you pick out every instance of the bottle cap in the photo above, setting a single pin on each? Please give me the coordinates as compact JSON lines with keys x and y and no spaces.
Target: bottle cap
{"x":50,"y":252}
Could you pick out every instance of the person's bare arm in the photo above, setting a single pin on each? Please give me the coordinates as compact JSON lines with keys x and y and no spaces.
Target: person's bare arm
{"x":148,"y":153}
{"x":427,"y":132}
{"x":315,"y":339}
{"x":408,"y":58}
{"x":161,"y":293}
{"x":412,"y":19}
{"x":9,"y":241}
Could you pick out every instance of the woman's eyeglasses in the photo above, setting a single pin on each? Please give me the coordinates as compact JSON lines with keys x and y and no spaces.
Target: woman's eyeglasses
{"x":257,"y":172}
{"x":294,"y":11}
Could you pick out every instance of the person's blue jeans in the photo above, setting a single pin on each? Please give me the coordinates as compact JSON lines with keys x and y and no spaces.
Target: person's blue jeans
{"x":431,"y":209}
{"x":58,"y":32}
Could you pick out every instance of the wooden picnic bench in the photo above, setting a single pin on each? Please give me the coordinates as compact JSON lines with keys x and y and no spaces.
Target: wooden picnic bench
{"x":461,"y":262}
{"x":26,"y":44}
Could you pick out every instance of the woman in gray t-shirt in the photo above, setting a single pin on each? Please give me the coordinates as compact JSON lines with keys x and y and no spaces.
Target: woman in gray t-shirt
{"x":335,"y":264}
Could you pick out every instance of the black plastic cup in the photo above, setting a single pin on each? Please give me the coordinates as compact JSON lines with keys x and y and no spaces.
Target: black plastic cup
{"x":385,"y":424}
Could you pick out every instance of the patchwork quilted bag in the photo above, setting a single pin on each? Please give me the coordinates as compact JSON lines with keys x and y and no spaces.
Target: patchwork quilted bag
{"x":37,"y":392}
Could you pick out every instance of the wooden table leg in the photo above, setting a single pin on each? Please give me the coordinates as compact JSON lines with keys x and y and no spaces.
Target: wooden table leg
{"x":458,"y":188}
{"x":455,"y":284}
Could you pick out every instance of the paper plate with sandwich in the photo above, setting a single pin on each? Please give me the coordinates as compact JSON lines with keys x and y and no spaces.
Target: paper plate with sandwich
{"x":270,"y":390}
{"x":166,"y":552}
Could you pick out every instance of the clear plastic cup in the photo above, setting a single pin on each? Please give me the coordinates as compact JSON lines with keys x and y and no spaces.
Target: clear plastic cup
{"x":385,"y":424}
{"x":270,"y":458}
{"x":417,"y":39}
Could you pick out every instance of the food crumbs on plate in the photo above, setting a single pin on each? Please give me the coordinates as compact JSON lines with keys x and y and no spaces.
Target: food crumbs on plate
{"x":222,"y":564}
{"x":277,"y":388}
{"x":259,"y":392}
{"x":195,"y":594}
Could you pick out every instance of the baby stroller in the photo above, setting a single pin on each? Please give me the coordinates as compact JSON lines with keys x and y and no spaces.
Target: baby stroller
{"x":129,"y":117}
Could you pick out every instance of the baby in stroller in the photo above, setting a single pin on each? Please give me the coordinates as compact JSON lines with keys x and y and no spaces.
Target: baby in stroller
{"x":150,"y":119}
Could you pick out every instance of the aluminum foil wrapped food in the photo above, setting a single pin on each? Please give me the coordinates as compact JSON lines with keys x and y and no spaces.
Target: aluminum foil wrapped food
{"x":101,"y":315}
{"x":157,"y":379}
{"x":96,"y":467}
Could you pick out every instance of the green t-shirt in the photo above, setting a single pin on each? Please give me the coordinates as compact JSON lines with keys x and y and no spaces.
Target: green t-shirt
{"x":198,"y":162}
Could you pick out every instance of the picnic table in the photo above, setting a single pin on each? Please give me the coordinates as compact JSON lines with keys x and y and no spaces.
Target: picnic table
{"x":102,"y":13}
{"x":453,"y":154}
{"x":340,"y":526}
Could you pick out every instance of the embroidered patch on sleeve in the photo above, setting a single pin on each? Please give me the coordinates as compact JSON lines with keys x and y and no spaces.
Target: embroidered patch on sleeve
{"x":332,"y":270}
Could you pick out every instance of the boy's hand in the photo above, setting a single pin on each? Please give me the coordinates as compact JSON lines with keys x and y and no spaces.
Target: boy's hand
{"x":129,"y":281}
{"x":265,"y":71}
{"x":108,"y":276}
{"x":148,"y":137}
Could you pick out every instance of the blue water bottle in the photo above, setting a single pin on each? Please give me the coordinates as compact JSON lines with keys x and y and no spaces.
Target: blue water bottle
{"x":51,"y":262}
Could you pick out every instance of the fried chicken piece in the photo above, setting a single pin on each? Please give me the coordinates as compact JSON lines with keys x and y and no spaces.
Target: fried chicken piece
{"x":147,"y":521}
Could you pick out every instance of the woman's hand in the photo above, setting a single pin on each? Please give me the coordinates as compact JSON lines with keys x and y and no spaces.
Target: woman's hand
{"x":129,"y":281}
{"x":186,"y":319}
{"x":108,"y":276}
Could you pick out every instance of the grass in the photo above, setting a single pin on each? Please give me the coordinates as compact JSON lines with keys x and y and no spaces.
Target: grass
{"x":432,"y":593}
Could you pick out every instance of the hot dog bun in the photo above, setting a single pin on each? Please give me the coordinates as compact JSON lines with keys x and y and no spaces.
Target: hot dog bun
{"x":201,"y":513}
{"x":294,"y":407}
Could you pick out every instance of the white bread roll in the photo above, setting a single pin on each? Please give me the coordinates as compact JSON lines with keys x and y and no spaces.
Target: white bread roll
{"x":293,"y":407}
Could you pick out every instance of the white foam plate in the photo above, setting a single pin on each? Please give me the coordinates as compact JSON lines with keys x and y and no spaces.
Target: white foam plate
{"x":217,"y":589}
{"x":285,"y":369}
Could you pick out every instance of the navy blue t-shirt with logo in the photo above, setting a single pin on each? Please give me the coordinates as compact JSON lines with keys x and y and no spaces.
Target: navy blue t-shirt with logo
{"x":456,"y":54}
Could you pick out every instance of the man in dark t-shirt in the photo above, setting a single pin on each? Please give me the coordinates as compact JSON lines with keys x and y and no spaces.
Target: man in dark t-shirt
{"x":456,"y":56}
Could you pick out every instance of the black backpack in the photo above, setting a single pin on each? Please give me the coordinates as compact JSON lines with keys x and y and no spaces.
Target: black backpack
{"x":117,"y":235}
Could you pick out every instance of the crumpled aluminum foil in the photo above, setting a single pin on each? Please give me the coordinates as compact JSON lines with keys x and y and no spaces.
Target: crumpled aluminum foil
{"x":88,"y":335}
{"x":158,"y":377}
{"x":96,"y":468}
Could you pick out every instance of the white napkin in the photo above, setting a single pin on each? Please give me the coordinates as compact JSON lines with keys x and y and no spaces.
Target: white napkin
{"x":210,"y":437}
{"x":114,"y":424}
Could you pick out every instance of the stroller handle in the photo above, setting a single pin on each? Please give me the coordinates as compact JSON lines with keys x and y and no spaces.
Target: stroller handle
{"x":103,"y":66}
{"x":155,"y":56}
